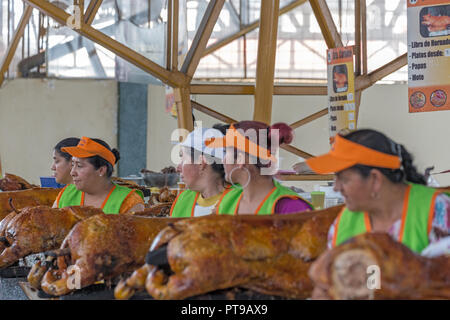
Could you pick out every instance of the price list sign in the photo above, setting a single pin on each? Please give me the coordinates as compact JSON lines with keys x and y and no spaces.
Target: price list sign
{"x":341,"y":90}
{"x":428,"y":55}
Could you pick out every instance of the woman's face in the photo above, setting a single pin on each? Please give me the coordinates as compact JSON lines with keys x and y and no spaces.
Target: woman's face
{"x":84,"y":174}
{"x":61,"y":168}
{"x":355,"y":189}
{"x":190,"y":173}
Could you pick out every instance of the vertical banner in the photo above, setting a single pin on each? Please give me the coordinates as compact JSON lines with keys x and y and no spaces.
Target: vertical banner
{"x":341,"y":90}
{"x":428,"y":55}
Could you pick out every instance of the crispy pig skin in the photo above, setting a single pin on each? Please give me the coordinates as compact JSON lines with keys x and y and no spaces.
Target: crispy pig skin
{"x":102,"y":247}
{"x":26,"y":198}
{"x":12,"y":182}
{"x":404,"y":274}
{"x":37,"y":229}
{"x":268,"y":254}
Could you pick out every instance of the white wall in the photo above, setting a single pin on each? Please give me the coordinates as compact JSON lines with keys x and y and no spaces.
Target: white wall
{"x":35,"y":114}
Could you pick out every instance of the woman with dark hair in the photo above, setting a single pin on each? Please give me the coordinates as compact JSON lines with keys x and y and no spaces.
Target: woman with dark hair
{"x":249,"y":167}
{"x":92,"y":166}
{"x":202,"y":171}
{"x":383,"y":192}
{"x":62,"y":161}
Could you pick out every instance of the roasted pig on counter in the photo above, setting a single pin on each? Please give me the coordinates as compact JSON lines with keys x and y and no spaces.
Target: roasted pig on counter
{"x":348,"y":272}
{"x":26,"y":198}
{"x":267,"y":254}
{"x":160,"y":203}
{"x":12,"y":182}
{"x":100,"y":248}
{"x":37,"y":229}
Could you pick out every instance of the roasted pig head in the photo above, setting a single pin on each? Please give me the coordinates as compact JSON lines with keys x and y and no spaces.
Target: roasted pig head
{"x":376,"y":266}
{"x":267,"y":254}
{"x":26,"y":198}
{"x":98,"y":248}
{"x":37,"y":229}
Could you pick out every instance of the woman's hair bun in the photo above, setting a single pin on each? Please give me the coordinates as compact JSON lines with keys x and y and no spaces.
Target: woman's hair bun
{"x":116,"y":154}
{"x":286,"y":133}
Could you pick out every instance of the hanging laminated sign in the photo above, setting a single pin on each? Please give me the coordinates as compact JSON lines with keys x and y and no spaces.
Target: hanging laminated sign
{"x":428,"y":55}
{"x":341,"y":90}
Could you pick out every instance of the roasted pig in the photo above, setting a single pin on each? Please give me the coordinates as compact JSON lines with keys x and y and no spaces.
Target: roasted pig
{"x":26,"y":198}
{"x":267,"y":254}
{"x":99,"y":248}
{"x":37,"y":229}
{"x":375,"y":266}
{"x":12,"y":182}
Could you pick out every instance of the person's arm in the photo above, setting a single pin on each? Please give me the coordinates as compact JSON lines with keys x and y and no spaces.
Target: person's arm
{"x":440,"y":226}
{"x":439,"y":237}
{"x":132,"y":203}
{"x":137,"y":208}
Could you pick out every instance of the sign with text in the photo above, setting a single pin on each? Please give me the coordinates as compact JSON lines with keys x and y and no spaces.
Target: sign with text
{"x":428,"y":55}
{"x":341,"y":90}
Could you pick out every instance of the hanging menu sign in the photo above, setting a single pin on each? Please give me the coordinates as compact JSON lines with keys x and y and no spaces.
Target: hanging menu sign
{"x":341,"y":90}
{"x":428,"y":55}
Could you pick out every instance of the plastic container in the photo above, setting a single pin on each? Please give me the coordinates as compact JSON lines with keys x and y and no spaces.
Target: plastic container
{"x":318,"y":199}
{"x":50,"y":182}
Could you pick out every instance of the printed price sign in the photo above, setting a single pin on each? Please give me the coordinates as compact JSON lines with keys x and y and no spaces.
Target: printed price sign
{"x":341,"y":90}
{"x":428,"y":55}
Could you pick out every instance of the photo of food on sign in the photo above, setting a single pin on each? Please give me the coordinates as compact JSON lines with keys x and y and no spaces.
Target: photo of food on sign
{"x":435,"y":21}
{"x":438,"y":98}
{"x":340,"y":78}
{"x":417,"y":100}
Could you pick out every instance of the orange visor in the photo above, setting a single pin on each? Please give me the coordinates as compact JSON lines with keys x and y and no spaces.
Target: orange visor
{"x":89,"y":148}
{"x":234,"y":138}
{"x":345,"y":154}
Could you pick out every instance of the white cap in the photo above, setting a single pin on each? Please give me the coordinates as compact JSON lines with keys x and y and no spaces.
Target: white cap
{"x":196,"y":140}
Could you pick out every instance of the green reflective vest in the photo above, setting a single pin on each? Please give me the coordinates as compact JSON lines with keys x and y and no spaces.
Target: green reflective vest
{"x":71,"y":196}
{"x":229,"y":203}
{"x":184,"y":204}
{"x":415,"y":225}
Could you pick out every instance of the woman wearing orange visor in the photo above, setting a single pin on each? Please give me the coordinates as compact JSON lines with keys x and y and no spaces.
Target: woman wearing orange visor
{"x":92,"y":167}
{"x":383,"y":192}
{"x":247,"y":162}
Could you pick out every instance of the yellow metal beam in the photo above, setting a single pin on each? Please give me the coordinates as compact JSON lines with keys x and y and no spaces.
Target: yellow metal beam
{"x":169,"y":35}
{"x":212,"y":113}
{"x":11,"y":50}
{"x":365,"y":81}
{"x":175,"y":21}
{"x":310,"y":118}
{"x":253,"y":26}
{"x":201,"y":37}
{"x":296,"y":151}
{"x":357,"y":37}
{"x":305,"y":177}
{"x":364,"y":36}
{"x":230,"y":89}
{"x":265,"y":70}
{"x":173,"y":78}
{"x":326,"y":23}
{"x":91,"y":11}
{"x":184,"y":108}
